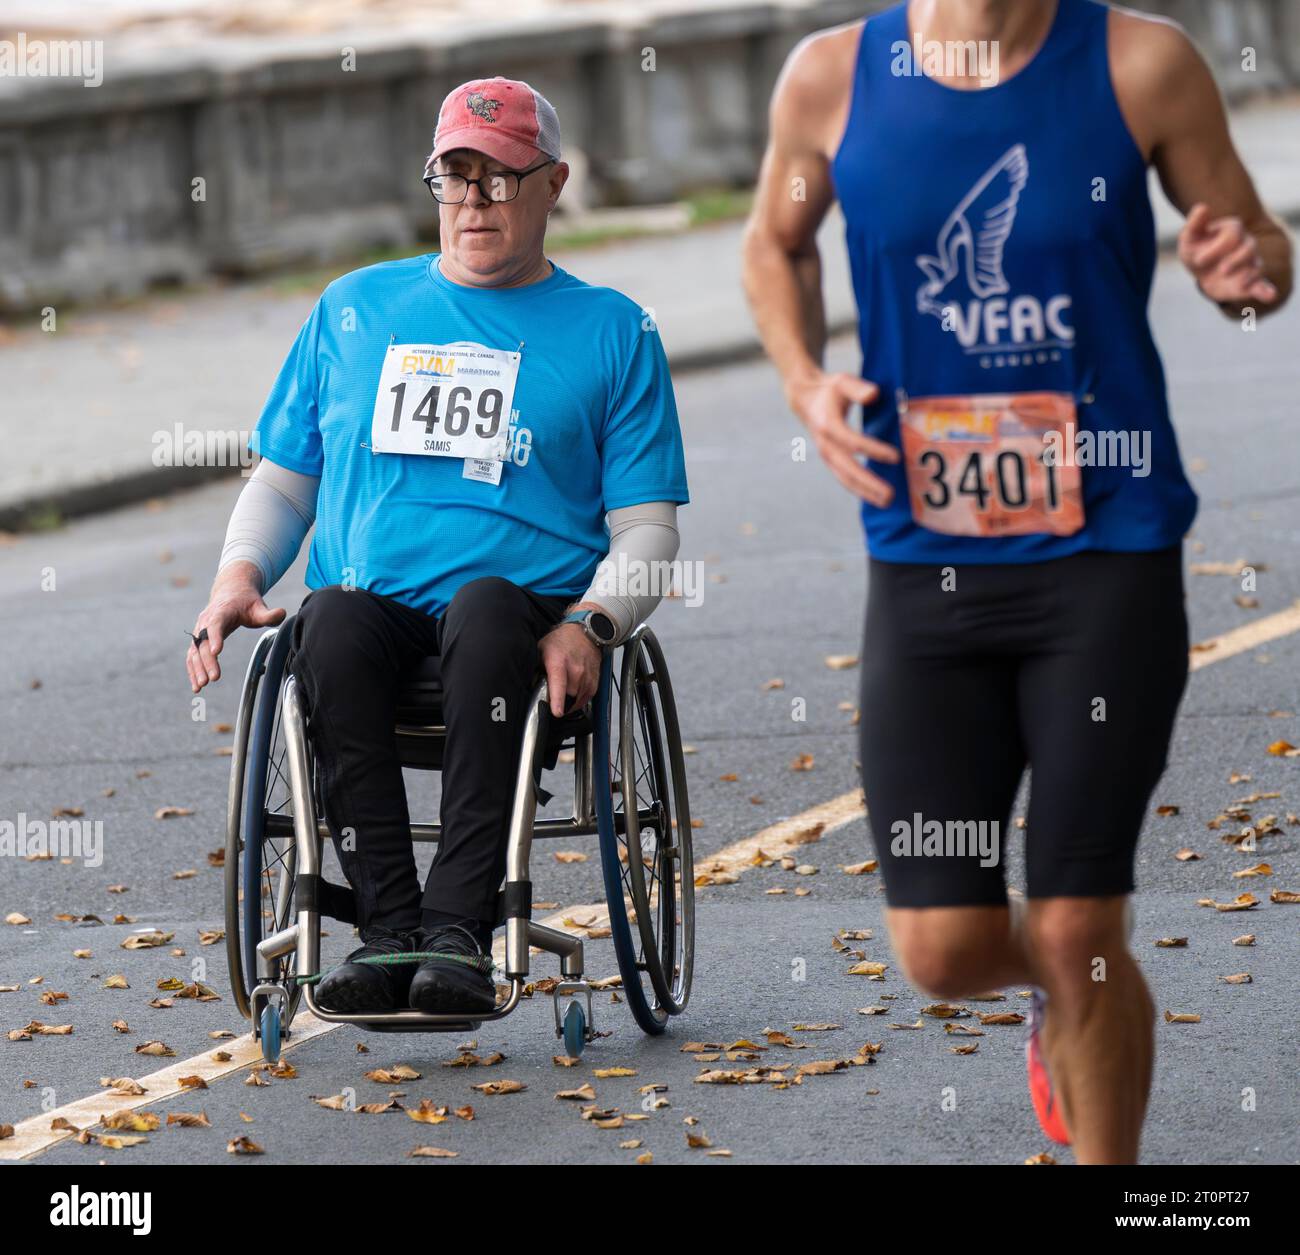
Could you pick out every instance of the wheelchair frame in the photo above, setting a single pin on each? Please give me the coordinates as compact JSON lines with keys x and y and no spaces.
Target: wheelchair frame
{"x":273,"y":999}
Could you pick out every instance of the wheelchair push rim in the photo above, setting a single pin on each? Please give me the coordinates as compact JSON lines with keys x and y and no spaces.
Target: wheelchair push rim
{"x":647,"y":862}
{"x":260,"y":847}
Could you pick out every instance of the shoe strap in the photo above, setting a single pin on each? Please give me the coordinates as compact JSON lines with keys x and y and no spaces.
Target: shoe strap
{"x":481,"y":962}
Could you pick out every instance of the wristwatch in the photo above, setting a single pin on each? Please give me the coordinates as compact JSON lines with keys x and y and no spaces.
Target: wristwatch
{"x":597,"y":625}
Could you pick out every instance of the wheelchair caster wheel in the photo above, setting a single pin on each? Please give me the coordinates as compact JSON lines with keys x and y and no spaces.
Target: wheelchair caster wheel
{"x":575,"y":1030}
{"x":270,"y":1033}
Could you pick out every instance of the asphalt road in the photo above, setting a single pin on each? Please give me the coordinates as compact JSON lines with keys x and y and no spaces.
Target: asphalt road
{"x":95,"y":699}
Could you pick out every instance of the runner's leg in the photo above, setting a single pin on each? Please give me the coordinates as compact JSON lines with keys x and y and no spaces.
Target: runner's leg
{"x":956,"y":951}
{"x":1097,"y":710}
{"x":1097,"y":1033}
{"x":939,"y":739}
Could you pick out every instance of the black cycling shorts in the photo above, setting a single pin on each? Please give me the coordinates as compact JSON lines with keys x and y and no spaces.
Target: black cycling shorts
{"x":1073,"y":667}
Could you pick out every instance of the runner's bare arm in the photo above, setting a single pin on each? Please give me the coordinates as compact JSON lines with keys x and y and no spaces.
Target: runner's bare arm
{"x":1238,"y":252}
{"x":782,"y":267}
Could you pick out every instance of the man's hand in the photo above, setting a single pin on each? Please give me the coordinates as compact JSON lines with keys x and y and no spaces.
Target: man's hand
{"x":822,"y":402}
{"x":235,"y":601}
{"x":1224,"y":259}
{"x":571,"y":663}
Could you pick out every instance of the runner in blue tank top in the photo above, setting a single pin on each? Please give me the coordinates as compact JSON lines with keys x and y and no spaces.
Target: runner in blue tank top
{"x":1023,"y":497}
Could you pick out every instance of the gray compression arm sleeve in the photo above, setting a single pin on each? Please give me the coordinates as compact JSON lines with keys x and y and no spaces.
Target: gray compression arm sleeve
{"x":632,"y":579}
{"x":270,"y":519}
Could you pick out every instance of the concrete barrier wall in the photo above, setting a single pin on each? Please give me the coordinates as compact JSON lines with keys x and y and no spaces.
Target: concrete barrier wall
{"x":303,"y":159}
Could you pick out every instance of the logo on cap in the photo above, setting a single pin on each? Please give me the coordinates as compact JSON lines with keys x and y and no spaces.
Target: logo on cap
{"x":483,"y":106}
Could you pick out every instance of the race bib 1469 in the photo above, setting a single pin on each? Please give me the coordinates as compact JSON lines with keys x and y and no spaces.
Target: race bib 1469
{"x":445,"y":400}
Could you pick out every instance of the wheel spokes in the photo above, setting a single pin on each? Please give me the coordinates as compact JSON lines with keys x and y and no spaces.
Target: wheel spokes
{"x":641,"y":777}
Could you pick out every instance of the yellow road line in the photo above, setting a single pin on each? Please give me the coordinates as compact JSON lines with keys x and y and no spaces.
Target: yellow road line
{"x":1250,"y":635}
{"x":34,"y":1134}
{"x":788,"y":834}
{"x":773,"y":841}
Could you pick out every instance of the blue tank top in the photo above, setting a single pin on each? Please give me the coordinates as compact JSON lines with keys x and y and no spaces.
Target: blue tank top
{"x":1001,"y":241}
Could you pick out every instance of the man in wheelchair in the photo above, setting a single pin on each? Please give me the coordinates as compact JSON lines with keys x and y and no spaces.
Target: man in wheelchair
{"x":481,"y":439}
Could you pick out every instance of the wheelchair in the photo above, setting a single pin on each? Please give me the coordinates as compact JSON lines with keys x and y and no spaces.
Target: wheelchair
{"x":629,"y":791}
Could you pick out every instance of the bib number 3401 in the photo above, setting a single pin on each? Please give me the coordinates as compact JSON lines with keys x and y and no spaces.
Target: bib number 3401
{"x":983,"y":465}
{"x":451,"y":400}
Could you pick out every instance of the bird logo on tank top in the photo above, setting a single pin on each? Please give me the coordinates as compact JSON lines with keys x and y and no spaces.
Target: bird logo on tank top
{"x":969,"y":252}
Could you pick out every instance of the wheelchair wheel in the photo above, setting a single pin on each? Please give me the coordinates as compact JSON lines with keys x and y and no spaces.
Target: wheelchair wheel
{"x":643,"y":815}
{"x":575,"y":1030}
{"x":261,"y":857}
{"x":270,"y":1024}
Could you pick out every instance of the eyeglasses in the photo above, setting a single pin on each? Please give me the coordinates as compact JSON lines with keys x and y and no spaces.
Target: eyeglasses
{"x":499,"y":186}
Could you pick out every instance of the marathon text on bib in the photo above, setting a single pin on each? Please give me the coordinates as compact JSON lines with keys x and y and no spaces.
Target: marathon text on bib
{"x":983,"y":466}
{"x":445,"y":400}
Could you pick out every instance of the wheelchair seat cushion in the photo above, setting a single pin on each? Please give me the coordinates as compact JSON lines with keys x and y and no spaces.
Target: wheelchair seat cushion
{"x":419,"y":702}
{"x":419,"y":696}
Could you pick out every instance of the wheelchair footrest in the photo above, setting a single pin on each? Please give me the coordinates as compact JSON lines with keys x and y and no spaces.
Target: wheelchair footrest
{"x":457,"y":1026}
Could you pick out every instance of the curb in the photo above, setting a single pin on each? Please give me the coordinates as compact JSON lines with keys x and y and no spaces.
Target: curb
{"x":80,"y":500}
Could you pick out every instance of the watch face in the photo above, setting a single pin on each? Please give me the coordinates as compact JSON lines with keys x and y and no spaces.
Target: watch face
{"x":602,"y":626}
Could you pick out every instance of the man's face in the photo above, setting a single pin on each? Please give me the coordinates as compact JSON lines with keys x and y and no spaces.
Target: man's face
{"x":491,"y":239}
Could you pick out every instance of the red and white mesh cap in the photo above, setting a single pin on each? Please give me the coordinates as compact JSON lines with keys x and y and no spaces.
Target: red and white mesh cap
{"x":501,"y":117}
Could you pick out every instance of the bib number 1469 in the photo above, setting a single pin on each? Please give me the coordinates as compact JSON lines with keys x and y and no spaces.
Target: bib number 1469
{"x":456,"y":415}
{"x":445,"y":400}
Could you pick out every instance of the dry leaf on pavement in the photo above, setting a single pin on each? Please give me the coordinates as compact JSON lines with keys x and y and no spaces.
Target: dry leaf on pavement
{"x":500,"y":1087}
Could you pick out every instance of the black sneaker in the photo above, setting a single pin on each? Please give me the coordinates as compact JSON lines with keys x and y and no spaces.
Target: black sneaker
{"x":355,"y":988}
{"x":459,"y":981}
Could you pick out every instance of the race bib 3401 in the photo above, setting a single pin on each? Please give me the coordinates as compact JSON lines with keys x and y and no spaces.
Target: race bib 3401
{"x":445,"y":400}
{"x":983,"y":466}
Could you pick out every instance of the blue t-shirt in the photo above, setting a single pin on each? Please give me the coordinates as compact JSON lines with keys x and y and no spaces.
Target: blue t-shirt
{"x":594,"y":428}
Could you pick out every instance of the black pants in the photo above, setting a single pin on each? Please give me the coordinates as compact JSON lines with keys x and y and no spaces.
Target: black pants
{"x":1074,"y":667}
{"x":351,"y":649}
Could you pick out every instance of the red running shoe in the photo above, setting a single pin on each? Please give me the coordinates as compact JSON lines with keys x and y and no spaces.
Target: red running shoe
{"x":1040,"y":1084}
